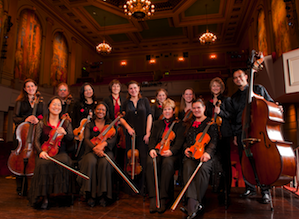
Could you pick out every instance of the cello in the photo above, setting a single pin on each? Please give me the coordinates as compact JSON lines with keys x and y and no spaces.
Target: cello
{"x":21,"y":161}
{"x":262,"y":138}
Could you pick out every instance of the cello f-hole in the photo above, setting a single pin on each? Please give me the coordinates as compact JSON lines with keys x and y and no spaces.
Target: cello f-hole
{"x":267,"y":146}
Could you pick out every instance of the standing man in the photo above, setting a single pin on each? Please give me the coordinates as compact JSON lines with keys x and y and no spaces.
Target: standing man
{"x":238,"y":101}
{"x":63,"y":93}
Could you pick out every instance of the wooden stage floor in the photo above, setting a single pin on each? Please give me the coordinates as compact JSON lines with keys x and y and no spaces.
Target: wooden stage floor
{"x":286,"y":206}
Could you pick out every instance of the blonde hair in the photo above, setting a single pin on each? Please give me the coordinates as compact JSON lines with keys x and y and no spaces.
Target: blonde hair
{"x":219,"y":81}
{"x":168,"y":102}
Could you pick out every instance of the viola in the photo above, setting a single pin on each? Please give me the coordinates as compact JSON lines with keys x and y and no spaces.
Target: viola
{"x":51,"y":146}
{"x":202,"y":139}
{"x":107,"y":132}
{"x":21,"y":161}
{"x":133,"y":167}
{"x":167,"y":138}
{"x":262,"y":138}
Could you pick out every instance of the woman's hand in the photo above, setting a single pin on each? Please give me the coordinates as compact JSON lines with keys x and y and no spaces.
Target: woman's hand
{"x":99,"y":149}
{"x":43,"y":155}
{"x":153,"y":153}
{"x":188,"y":152}
{"x":166,"y":153}
{"x":217,"y":110}
{"x":146,"y":138}
{"x":61,"y":130}
{"x":32,"y":119}
{"x":130,"y":131}
{"x":205,"y":157}
{"x":235,"y":141}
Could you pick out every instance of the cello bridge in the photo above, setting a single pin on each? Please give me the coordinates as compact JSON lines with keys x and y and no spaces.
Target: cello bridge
{"x":251,"y":140}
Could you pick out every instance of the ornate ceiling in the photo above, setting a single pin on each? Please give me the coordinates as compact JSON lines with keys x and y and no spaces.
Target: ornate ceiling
{"x":175,"y":26}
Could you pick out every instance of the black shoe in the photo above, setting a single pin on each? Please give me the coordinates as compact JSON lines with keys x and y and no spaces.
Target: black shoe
{"x":184,"y":210}
{"x":196,"y":212}
{"x":45,"y":204}
{"x":103,"y":202}
{"x":91,"y":202}
{"x":247,"y":193}
{"x":152,"y":207}
{"x":162,"y":208}
{"x":266,"y":199}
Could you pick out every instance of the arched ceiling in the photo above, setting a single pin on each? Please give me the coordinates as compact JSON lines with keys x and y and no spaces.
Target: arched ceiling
{"x":176,"y":24}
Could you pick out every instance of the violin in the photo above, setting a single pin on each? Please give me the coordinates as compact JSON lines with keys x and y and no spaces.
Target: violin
{"x":188,"y":115}
{"x":133,"y":166}
{"x":79,"y":132}
{"x":167,"y":138}
{"x":122,"y":137}
{"x":21,"y":161}
{"x":107,"y":132}
{"x":202,"y":139}
{"x":51,"y":146}
{"x":262,"y":138}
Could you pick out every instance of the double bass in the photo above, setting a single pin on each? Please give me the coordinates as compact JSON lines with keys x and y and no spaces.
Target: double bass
{"x":21,"y":161}
{"x":267,"y":159}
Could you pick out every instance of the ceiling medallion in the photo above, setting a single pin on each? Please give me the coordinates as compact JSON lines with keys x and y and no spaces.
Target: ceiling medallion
{"x":139,"y":9}
{"x":207,"y":38}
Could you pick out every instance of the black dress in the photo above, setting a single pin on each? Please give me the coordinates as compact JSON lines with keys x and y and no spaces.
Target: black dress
{"x":97,"y":168}
{"x":156,"y":111}
{"x":49,"y":177}
{"x":199,"y":184}
{"x":137,"y":119}
{"x":166,"y":165}
{"x":222,"y":173}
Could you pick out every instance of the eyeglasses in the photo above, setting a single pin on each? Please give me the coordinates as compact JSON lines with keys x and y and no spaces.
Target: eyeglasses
{"x":62,"y":89}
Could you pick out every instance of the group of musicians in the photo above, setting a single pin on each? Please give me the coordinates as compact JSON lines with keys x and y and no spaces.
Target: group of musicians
{"x":153,"y":127}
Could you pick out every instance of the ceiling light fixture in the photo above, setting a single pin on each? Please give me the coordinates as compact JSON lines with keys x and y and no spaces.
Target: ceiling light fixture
{"x":139,"y":9}
{"x":104,"y":48}
{"x":207,"y":38}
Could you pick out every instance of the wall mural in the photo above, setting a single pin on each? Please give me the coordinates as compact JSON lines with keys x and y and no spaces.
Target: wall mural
{"x":280,"y":27}
{"x":28,"y":50}
{"x":261,"y":33}
{"x":59,"y":60}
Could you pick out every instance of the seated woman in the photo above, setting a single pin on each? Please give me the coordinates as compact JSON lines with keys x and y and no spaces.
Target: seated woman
{"x":50,"y":178}
{"x":93,"y":162}
{"x":166,"y":159}
{"x":199,"y":184}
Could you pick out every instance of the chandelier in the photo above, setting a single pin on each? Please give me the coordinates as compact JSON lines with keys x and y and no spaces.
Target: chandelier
{"x":104,"y":48}
{"x":207,"y":38}
{"x":139,"y":9}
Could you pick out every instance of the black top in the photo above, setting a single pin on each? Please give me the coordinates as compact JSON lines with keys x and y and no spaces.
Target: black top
{"x":156,"y":111}
{"x":137,"y":117}
{"x":109,"y":102}
{"x":225,"y":110}
{"x":158,"y":130}
{"x":23,"y":109}
{"x":42,"y":135}
{"x":238,"y":103}
{"x":212,"y":132}
{"x":81,"y":111}
{"x":91,"y":131}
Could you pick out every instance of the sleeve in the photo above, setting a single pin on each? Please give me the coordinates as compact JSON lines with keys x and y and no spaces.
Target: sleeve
{"x":111,"y":142}
{"x":37,"y":137}
{"x":179,"y":139}
{"x":17,"y":118}
{"x":266,"y":95}
{"x":225,"y":108}
{"x":148,"y":107}
{"x":154,"y":136}
{"x":69,"y":132}
{"x":87,"y":134}
{"x":211,"y":147}
{"x":124,"y":106}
